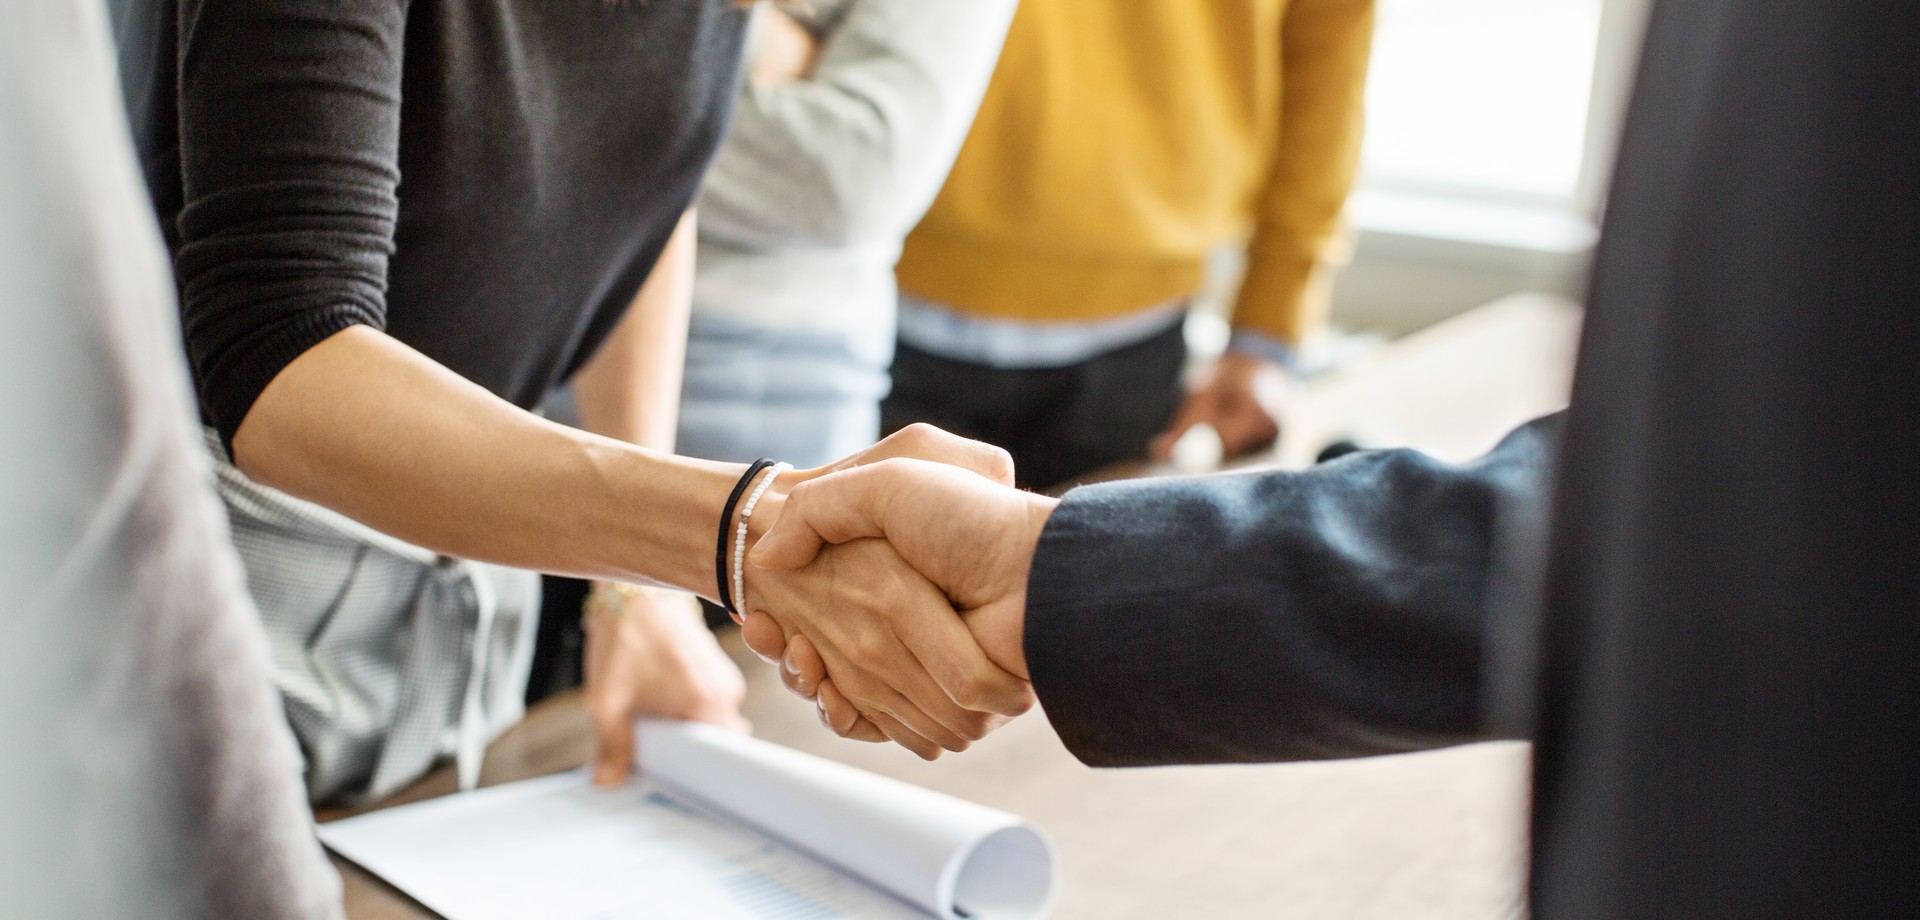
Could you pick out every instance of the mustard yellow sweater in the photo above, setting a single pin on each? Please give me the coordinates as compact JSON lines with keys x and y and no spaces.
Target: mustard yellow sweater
{"x":1121,"y":140}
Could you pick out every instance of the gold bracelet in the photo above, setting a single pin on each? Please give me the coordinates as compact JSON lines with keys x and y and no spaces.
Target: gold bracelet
{"x":608,"y":600}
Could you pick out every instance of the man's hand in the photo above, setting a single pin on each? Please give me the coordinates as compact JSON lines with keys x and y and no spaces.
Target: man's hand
{"x":654,"y":657}
{"x":921,"y":441}
{"x":971,"y":537}
{"x":1240,"y":398}
{"x":869,"y":608}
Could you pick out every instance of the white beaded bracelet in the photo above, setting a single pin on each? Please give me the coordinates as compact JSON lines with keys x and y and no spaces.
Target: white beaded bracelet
{"x":740,"y":535}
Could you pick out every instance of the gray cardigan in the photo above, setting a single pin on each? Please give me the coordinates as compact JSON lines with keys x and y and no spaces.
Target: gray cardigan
{"x":802,"y":215}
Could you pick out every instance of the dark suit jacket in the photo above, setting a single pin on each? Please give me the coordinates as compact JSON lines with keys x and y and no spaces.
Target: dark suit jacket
{"x":1710,"y":625}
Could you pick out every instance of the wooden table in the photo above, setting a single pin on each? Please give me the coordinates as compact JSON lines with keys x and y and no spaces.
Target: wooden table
{"x":1437,"y":835}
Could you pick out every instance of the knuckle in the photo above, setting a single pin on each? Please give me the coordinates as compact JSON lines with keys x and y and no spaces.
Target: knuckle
{"x":868,"y":646}
{"x":997,"y":461}
{"x":798,"y":494}
{"x":975,"y":726}
{"x":971,"y":692}
{"x":923,"y":432}
{"x":1024,"y":702}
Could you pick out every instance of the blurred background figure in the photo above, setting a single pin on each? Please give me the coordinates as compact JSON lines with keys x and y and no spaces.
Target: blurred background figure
{"x":851,"y":116}
{"x":1119,"y":144}
{"x":145,"y":768}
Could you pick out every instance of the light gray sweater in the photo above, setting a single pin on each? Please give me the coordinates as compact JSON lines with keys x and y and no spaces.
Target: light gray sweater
{"x":802,"y":216}
{"x":145,"y":768}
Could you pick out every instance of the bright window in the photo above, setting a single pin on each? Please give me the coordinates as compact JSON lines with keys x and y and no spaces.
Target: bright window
{"x":1483,"y":98}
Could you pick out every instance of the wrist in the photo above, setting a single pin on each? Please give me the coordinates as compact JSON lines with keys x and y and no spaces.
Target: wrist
{"x":736,"y":539}
{"x":656,"y":516}
{"x":1039,"y":508}
{"x":767,"y":513}
{"x":1004,"y":638}
{"x":1250,"y":345}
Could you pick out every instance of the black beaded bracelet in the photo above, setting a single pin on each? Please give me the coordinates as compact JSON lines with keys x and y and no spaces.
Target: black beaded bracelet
{"x":726,"y":530}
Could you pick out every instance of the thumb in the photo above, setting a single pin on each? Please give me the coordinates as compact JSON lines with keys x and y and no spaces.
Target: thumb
{"x":832,"y":509}
{"x":792,"y":541}
{"x":613,"y":761}
{"x":921,"y":441}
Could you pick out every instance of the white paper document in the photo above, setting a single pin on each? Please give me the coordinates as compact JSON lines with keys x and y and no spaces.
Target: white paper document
{"x":719,"y":826}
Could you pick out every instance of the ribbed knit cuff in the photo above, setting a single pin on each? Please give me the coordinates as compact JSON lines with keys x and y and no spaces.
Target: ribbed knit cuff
{"x":229,"y":387}
{"x":1284,"y":296}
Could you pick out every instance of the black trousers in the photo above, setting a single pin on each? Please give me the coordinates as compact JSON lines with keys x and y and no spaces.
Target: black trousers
{"x":1058,"y":422}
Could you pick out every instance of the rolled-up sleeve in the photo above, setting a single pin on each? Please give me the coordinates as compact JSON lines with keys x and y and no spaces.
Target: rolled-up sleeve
{"x":289,"y":143}
{"x":1339,"y":611}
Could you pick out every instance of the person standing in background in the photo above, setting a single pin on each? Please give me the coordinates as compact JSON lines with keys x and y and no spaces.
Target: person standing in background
{"x":1118,"y":145}
{"x":366,"y":351}
{"x":145,"y":768}
{"x":851,"y":115}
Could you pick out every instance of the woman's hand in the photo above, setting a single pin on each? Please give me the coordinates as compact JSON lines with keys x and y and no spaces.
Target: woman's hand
{"x":651,"y":654}
{"x":783,"y":50}
{"x":1241,"y":397}
{"x":968,"y":539}
{"x":866,"y":606}
{"x":869,"y":613}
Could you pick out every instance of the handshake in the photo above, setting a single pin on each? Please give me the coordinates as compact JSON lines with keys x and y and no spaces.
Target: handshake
{"x":891,"y":590}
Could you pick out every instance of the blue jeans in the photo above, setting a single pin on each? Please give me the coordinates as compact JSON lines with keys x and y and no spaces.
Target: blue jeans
{"x":804,"y":396}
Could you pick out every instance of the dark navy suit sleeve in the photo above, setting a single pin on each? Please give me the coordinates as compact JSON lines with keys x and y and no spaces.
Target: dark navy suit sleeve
{"x":1334,"y":612}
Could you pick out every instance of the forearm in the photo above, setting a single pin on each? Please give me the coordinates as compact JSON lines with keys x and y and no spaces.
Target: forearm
{"x":630,"y":391}
{"x":366,"y":426}
{"x":1333,"y":612}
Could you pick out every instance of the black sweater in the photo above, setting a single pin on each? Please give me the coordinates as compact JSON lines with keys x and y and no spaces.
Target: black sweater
{"x":489,"y":181}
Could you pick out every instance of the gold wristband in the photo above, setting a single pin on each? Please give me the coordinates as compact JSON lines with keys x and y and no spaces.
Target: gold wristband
{"x":608,"y":600}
